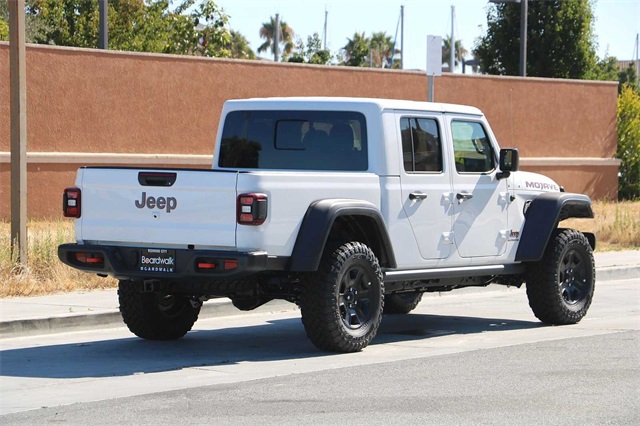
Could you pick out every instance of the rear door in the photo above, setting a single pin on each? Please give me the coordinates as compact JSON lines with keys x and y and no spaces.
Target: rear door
{"x":480,"y":200}
{"x":426,"y":185}
{"x":159,"y":207}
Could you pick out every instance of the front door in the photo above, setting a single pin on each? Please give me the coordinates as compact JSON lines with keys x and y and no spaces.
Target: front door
{"x":480,"y":200}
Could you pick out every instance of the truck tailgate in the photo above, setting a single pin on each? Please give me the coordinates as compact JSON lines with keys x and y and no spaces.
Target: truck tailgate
{"x":121,"y":206}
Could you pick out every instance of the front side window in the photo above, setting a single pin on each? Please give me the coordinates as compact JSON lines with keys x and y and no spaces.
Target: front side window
{"x":294,"y":140}
{"x":472,"y":150}
{"x":421,"y":146}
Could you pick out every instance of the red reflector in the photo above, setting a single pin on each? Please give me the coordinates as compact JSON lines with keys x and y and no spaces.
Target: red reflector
{"x":206,"y":265}
{"x":230,"y":264}
{"x":246,"y":217}
{"x":88,"y":258}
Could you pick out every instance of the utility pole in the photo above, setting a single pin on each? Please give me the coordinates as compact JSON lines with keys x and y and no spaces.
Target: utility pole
{"x":324,"y":36}
{"x":452,"y":47}
{"x":524,"y":10}
{"x":18,"y":106}
{"x":103,"y":27}
{"x":402,"y":37}
{"x":276,"y":47}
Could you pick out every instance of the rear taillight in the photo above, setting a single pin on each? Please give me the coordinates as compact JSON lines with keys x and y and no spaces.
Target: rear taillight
{"x":252,"y":209}
{"x":71,"y":202}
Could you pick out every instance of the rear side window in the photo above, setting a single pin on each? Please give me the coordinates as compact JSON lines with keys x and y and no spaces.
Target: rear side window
{"x":421,"y":146}
{"x":294,"y":140}
{"x":471,"y":146}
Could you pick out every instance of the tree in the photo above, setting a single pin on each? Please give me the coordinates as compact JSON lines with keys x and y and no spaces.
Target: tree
{"x":629,"y":77}
{"x":4,"y":21}
{"x":134,"y":25}
{"x":267,"y":32}
{"x":629,"y":143}
{"x":33,"y":25}
{"x":356,"y":51}
{"x":459,"y":54}
{"x":4,"y":31}
{"x":312,"y":53}
{"x":605,"y":69}
{"x":239,"y":46}
{"x":560,"y":40}
{"x":382,"y":50}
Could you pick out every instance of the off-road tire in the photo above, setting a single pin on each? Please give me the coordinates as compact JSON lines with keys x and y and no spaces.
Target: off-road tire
{"x":342,"y":302}
{"x":401,"y":303}
{"x":154,"y":316}
{"x":560,"y":287}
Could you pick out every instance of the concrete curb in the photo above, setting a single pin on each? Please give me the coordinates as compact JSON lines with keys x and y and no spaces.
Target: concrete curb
{"x":67,"y":323}
{"x":212,"y":309}
{"x":617,"y":273}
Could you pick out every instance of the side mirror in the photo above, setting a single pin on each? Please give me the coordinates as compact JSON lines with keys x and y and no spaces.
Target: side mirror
{"x":509,"y":162}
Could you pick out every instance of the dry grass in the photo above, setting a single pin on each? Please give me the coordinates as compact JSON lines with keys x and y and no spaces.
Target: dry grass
{"x":617,"y":227}
{"x":44,"y":274}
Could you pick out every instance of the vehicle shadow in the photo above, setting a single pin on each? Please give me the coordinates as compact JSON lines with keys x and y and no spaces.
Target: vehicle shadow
{"x":277,"y":340}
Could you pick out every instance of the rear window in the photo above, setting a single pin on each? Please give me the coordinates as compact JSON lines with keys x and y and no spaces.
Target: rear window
{"x":294,"y":140}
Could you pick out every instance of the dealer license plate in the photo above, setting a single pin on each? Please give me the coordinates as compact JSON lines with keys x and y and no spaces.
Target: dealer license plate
{"x":157,"y":260}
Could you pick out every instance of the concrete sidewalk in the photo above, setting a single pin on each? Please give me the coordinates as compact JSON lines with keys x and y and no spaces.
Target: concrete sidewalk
{"x":99,"y":309}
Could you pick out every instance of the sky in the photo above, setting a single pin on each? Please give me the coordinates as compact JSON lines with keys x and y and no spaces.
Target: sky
{"x":616,"y":26}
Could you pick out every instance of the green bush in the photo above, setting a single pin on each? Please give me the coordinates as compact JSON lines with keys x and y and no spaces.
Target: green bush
{"x":629,"y":143}
{"x":4,"y":30}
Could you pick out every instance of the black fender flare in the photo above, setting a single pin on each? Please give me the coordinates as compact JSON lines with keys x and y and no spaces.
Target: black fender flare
{"x":316,"y":226}
{"x":542,"y":218}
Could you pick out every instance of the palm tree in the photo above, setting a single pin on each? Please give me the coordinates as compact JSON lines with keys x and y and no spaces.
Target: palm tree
{"x":382,"y":50}
{"x":356,"y":51}
{"x":239,"y":46}
{"x":460,"y":52}
{"x":268,"y":33}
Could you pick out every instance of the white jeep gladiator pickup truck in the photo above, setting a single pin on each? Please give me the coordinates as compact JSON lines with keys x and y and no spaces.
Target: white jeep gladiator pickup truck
{"x":348,"y":207}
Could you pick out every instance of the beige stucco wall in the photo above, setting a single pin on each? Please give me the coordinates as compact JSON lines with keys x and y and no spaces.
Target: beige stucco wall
{"x":92,"y":101}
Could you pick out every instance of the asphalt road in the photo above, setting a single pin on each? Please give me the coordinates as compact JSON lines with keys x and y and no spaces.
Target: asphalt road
{"x":469,"y":358}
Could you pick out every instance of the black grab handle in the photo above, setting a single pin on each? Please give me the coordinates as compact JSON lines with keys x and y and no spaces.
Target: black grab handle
{"x":157,"y":178}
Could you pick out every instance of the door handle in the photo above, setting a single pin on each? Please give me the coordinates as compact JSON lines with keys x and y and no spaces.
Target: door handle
{"x":417,"y":196}
{"x":462,"y":196}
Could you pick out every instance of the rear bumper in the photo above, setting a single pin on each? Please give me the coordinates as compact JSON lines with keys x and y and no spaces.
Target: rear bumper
{"x":124,"y":263}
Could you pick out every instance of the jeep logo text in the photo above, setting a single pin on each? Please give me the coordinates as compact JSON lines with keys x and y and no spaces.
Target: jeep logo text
{"x":161,"y":203}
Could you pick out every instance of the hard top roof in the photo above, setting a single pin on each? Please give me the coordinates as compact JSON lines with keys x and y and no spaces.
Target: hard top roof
{"x":348,"y":102}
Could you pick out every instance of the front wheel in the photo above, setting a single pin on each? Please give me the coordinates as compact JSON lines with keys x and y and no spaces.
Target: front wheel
{"x":155,"y":316}
{"x":342,"y":302}
{"x":560,"y":287}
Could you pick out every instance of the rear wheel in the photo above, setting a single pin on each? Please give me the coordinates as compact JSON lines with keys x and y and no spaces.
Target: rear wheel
{"x":155,"y":316}
{"x":342,"y":303}
{"x":401,"y":303}
{"x":560,"y":287}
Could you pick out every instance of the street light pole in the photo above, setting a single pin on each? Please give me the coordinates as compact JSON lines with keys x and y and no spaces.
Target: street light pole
{"x":402,"y":37}
{"x":524,"y":9}
{"x":103,"y":28}
{"x":276,"y":47}
{"x":452,"y":44}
